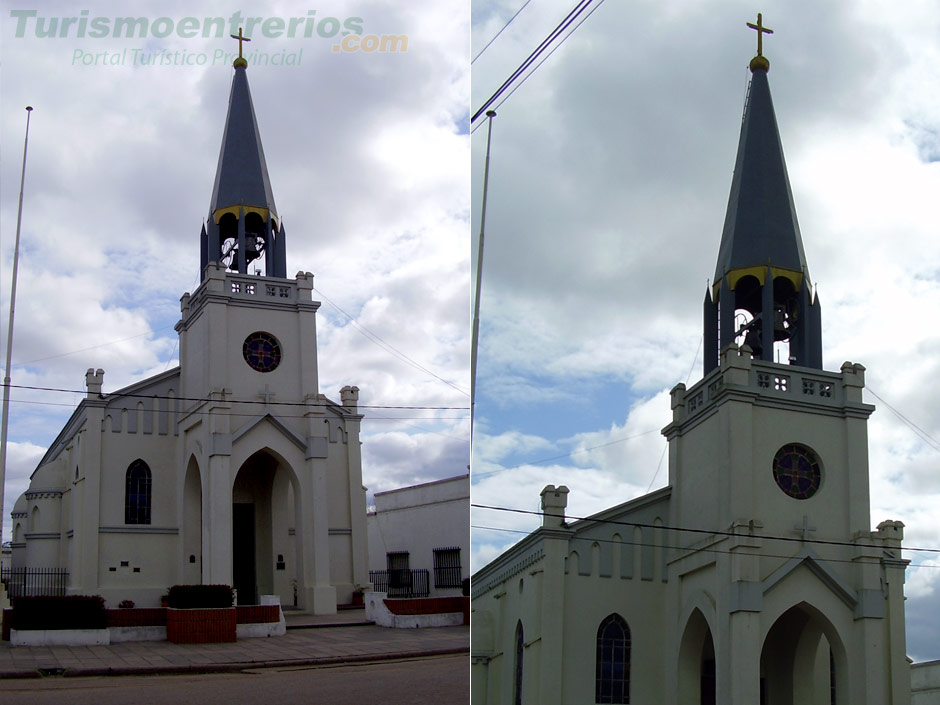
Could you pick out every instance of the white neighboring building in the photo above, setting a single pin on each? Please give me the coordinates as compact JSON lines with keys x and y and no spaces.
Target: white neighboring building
{"x":423,"y":527}
{"x":925,"y":683}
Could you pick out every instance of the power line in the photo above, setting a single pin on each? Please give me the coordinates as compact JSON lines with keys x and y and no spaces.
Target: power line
{"x":707,"y":532}
{"x":553,"y":35}
{"x":115,"y":395}
{"x":693,"y":549}
{"x":539,"y":64}
{"x":500,"y":31}
{"x":377,"y":340}
{"x":93,"y":347}
{"x":926,"y":437}
{"x":566,"y":455}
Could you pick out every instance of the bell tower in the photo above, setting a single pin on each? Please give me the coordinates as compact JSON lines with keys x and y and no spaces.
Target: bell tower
{"x":762,"y":290}
{"x":768,"y":469}
{"x":243,"y":226}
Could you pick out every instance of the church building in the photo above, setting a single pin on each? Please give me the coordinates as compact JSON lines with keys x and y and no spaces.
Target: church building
{"x":230,"y":469}
{"x":754,"y":576}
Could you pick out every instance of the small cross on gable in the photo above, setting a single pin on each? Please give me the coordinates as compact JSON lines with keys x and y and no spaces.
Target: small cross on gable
{"x":804,"y":529}
{"x":267,"y":395}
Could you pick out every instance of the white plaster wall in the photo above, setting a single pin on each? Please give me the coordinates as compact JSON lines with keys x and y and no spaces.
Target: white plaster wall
{"x":420,"y":519}
{"x":925,"y":683}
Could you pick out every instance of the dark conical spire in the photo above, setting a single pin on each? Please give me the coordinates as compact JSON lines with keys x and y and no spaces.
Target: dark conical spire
{"x":241,"y":177}
{"x":761,"y":266}
{"x":243,"y":221}
{"x":760,"y":225}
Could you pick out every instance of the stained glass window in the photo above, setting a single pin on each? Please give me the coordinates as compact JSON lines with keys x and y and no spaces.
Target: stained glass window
{"x":797,"y":471}
{"x":520,"y":646}
{"x":612,"y":681}
{"x":262,"y":352}
{"x":137,"y":494}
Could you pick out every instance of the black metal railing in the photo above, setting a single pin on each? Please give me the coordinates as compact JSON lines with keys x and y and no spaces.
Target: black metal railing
{"x":401,"y":583}
{"x":31,"y":582}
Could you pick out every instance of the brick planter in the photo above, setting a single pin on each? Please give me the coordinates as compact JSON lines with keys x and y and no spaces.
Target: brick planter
{"x":137,"y":617}
{"x":201,"y":626}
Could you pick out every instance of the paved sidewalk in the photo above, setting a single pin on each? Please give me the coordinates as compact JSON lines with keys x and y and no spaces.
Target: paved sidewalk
{"x":345,"y":637}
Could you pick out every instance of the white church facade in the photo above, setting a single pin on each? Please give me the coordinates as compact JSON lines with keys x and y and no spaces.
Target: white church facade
{"x":232,"y":468}
{"x":754,"y":576}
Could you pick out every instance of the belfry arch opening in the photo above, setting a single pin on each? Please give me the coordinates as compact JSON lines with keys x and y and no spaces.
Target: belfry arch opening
{"x":749,"y":307}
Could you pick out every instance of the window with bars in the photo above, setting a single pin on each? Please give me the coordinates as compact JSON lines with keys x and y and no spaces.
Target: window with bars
{"x":612,"y":682}
{"x":447,"y":567}
{"x":399,"y":573}
{"x":137,"y":494}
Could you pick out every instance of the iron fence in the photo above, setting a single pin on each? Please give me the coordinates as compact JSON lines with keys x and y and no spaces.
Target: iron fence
{"x":401,"y":582}
{"x":31,"y":582}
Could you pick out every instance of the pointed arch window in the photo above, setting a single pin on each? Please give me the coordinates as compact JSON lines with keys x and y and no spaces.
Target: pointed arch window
{"x":612,"y":681}
{"x":137,"y":494}
{"x":517,"y":678}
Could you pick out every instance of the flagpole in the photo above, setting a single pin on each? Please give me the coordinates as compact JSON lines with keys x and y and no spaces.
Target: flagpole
{"x":476,"y":301}
{"x":9,"y":358}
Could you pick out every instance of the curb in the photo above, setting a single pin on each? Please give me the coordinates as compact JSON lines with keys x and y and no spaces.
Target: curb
{"x":237,"y":666}
{"x":291,"y":627}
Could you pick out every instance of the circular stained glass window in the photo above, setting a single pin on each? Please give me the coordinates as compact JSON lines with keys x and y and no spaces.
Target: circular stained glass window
{"x":797,"y":471}
{"x":262,"y":352}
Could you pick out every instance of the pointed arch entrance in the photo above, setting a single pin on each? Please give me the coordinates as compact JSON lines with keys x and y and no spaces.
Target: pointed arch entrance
{"x":266,"y":552}
{"x":192,"y":524}
{"x":802,"y":660}
{"x":697,"y":684}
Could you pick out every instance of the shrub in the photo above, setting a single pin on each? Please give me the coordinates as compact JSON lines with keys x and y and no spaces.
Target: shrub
{"x":200,"y":596}
{"x":126,"y":604}
{"x":66,"y":612}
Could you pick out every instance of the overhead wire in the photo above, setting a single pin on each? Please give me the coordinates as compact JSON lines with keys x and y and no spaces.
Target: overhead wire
{"x":496,"y":36}
{"x":921,"y":433}
{"x":119,"y":394}
{"x":553,"y":35}
{"x":703,"y":549}
{"x":526,"y":78}
{"x":565,"y":455}
{"x":707,"y":532}
{"x":377,"y":340}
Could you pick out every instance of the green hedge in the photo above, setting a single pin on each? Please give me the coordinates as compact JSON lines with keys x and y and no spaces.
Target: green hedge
{"x":67,"y":612}
{"x":200,"y":596}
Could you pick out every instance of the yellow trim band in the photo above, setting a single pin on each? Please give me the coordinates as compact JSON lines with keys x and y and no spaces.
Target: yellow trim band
{"x":759,"y":273}
{"x":235,"y":210}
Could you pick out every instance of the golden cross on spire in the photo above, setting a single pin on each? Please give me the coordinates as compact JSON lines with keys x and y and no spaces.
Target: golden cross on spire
{"x":241,"y":60}
{"x":761,"y":31}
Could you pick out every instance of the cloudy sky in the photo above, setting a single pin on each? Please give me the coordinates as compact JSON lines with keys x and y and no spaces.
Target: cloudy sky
{"x":368,"y":155}
{"x":609,"y":179}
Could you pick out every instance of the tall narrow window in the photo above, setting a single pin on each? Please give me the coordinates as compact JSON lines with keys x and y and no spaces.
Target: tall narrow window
{"x":137,"y":494}
{"x":517,"y":681}
{"x":612,"y":682}
{"x":447,"y":567}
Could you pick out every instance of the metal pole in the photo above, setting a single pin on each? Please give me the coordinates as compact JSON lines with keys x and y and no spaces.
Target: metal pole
{"x":476,"y":299}
{"x":6,"y":375}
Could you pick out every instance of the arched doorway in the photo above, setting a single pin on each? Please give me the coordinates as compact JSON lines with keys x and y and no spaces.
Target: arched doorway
{"x":192,"y":524}
{"x":266,"y":549}
{"x":801,"y":660}
{"x":697,"y":685}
